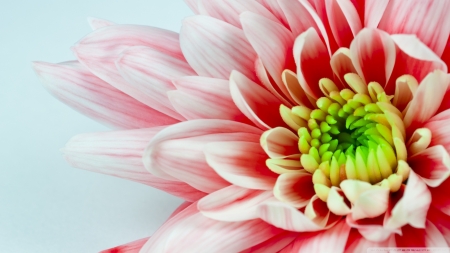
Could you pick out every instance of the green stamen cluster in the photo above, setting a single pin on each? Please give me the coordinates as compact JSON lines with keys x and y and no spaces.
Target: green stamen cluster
{"x":353,"y":134}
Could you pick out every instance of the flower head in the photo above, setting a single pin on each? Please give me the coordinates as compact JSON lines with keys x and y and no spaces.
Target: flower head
{"x":288,"y":126}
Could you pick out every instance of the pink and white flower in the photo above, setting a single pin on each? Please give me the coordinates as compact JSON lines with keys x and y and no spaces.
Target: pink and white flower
{"x":286,"y":125}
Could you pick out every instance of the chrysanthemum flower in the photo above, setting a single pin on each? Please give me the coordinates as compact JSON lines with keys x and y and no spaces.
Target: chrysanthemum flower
{"x":286,"y":125}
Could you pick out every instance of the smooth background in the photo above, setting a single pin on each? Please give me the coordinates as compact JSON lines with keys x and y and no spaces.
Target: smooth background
{"x":45,"y":205}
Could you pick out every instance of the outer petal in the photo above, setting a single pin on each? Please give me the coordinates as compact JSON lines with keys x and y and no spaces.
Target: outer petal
{"x":259,"y":105}
{"x":330,"y":240}
{"x":177,"y":151}
{"x":274,"y":244}
{"x":434,"y":26}
{"x":426,"y":100}
{"x":205,"y":98}
{"x":341,"y":64}
{"x":74,"y":85}
{"x":214,"y":48}
{"x":344,"y":21}
{"x":440,"y":133}
{"x":120,"y":154}
{"x":151,"y":72}
{"x":192,"y":5}
{"x":298,"y":17}
{"x":413,"y":206}
{"x":131,"y":247}
{"x":432,"y":164}
{"x":190,"y":231}
{"x":364,"y":60}
{"x":229,"y":10}
{"x":373,"y":12}
{"x":373,"y":232}
{"x":99,"y":50}
{"x":429,"y":237}
{"x":357,"y":243}
{"x":241,"y":163}
{"x":97,"y":23}
{"x":233,"y":203}
{"x":310,"y":52}
{"x":286,"y":217}
{"x":273,"y":44}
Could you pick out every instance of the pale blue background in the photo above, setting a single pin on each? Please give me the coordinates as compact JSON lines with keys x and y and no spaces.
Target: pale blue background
{"x":45,"y":205}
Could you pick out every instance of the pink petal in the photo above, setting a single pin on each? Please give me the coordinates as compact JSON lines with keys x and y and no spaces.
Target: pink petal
{"x":131,"y":247}
{"x":446,"y":54}
{"x":440,"y":133}
{"x":280,"y":143}
{"x":362,"y":51}
{"x":430,"y":237}
{"x":214,"y":48}
{"x":274,"y":244}
{"x":74,"y":85}
{"x":413,"y":206}
{"x":344,"y":21}
{"x":373,"y":12}
{"x":295,"y":188}
{"x":426,"y":100}
{"x":330,"y":240}
{"x":414,"y":58}
{"x":97,"y":23}
{"x":120,"y":154}
{"x":401,"y":18}
{"x":176,"y":153}
{"x":205,"y":98}
{"x":259,"y":105}
{"x":273,"y":44}
{"x":432,"y":165}
{"x":287,"y":217}
{"x":310,"y":52}
{"x":229,"y":10}
{"x":297,"y":16}
{"x":99,"y":50}
{"x":180,"y":208}
{"x":192,"y":5}
{"x":190,"y":231}
{"x":341,"y":64}
{"x":442,"y":222}
{"x":151,"y":72}
{"x":357,"y":243}
{"x":274,"y":7}
{"x":318,"y":9}
{"x":372,"y":232}
{"x":241,"y":163}
{"x":440,"y":197}
{"x":233,"y":203}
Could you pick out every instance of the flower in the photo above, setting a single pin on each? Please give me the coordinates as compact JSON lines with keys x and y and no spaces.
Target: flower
{"x":287,"y":126}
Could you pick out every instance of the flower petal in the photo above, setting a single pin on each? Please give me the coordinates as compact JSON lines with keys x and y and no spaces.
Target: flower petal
{"x":190,"y":231}
{"x":214,"y":48}
{"x":440,"y":133}
{"x":429,"y":237}
{"x":357,"y":243}
{"x":151,"y":73}
{"x":432,"y":165}
{"x":205,"y":98}
{"x":373,"y":12}
{"x":233,"y":203}
{"x":279,"y":143}
{"x":131,"y":247}
{"x":310,"y":52}
{"x":413,"y":206}
{"x":176,"y":153}
{"x":241,"y":163}
{"x":99,"y":50}
{"x":192,"y":5}
{"x":274,"y":244}
{"x":426,"y":100}
{"x":330,"y":240}
{"x":344,"y":21}
{"x":341,"y":63}
{"x":120,"y":154}
{"x":259,"y":105}
{"x":364,"y":60}
{"x":229,"y":10}
{"x":295,"y":188}
{"x":287,"y":217}
{"x":272,"y":42}
{"x":97,"y":23}
{"x":372,"y":232}
{"x":401,"y":18}
{"x":297,"y":16}
{"x":74,"y":85}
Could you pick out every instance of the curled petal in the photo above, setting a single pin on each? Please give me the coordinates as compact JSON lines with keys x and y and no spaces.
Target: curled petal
{"x":241,"y":163}
{"x":295,"y":188}
{"x":279,"y":143}
{"x":120,"y":154}
{"x":372,"y":232}
{"x":432,"y":165}
{"x":413,"y":206}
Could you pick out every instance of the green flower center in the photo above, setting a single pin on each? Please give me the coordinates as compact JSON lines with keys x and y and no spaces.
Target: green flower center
{"x":354,"y":133}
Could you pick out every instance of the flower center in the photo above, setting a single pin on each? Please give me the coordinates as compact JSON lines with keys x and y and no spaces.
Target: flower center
{"x":354,"y":133}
